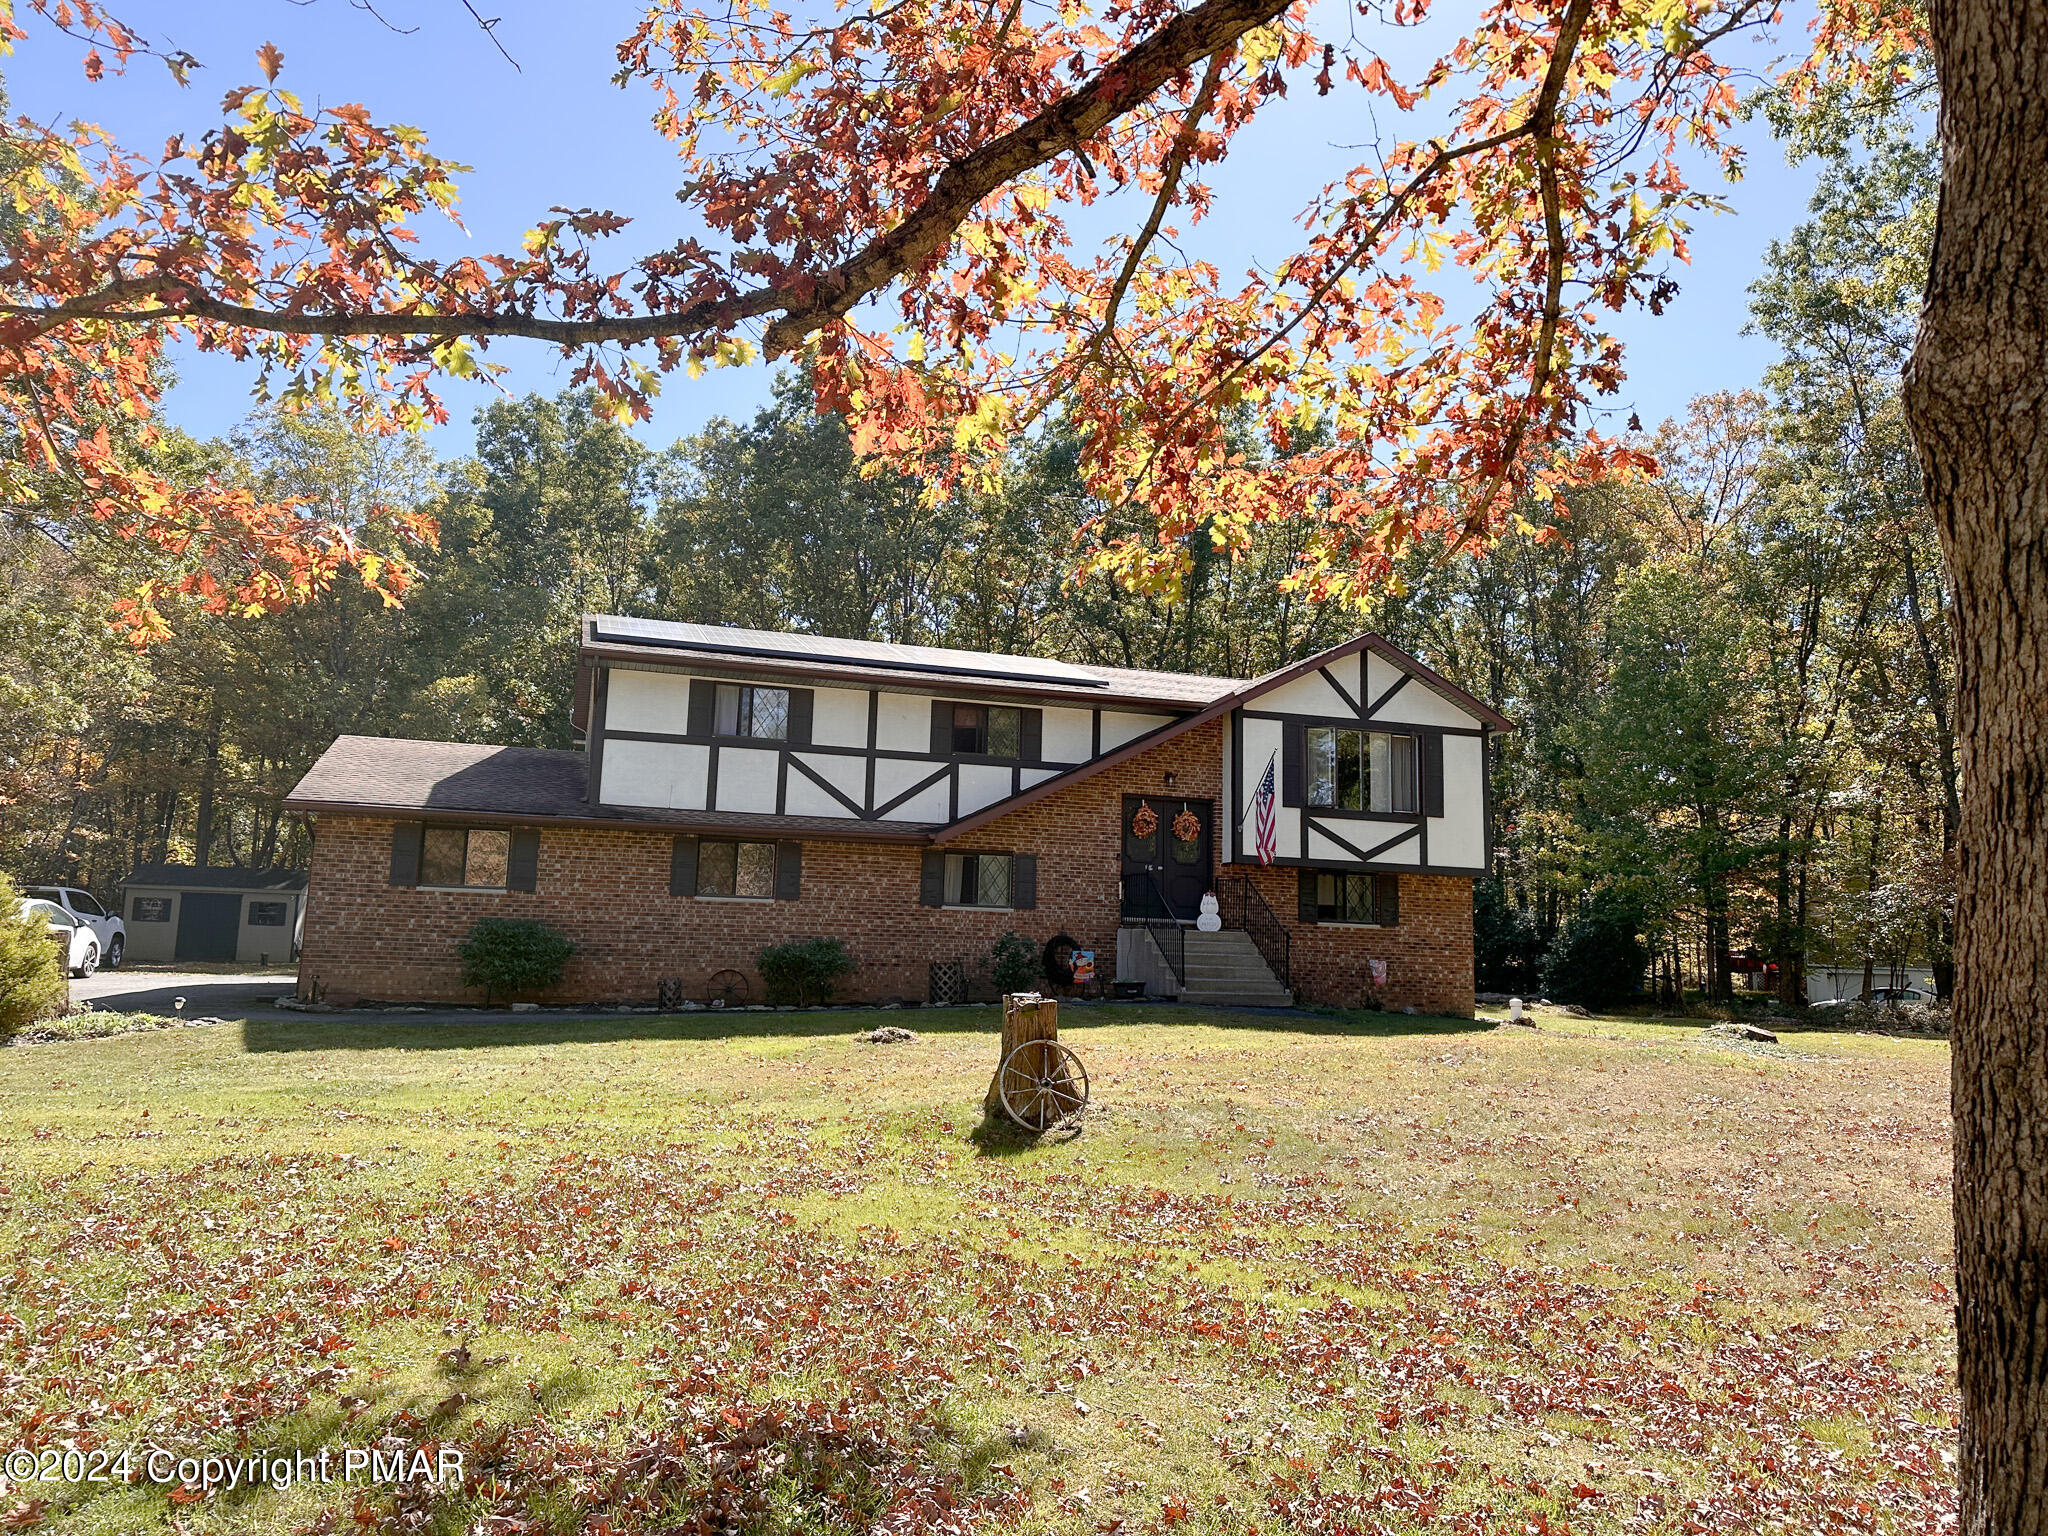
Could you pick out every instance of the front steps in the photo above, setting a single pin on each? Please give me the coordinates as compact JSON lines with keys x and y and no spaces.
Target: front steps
{"x":1226,"y":970}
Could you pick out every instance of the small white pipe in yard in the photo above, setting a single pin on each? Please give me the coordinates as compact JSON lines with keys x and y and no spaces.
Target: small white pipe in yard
{"x":1514,"y":1010}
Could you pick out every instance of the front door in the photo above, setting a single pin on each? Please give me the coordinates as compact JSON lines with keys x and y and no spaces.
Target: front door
{"x":1166,"y":856}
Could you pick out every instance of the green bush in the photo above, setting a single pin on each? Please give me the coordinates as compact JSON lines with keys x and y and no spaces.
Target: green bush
{"x":32,"y":980}
{"x":803,"y":971}
{"x":1014,"y":964}
{"x":511,"y":955}
{"x":1598,"y":956}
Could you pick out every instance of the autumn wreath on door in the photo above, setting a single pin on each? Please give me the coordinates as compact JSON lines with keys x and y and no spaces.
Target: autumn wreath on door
{"x":1187,"y":826}
{"x":1145,"y":822}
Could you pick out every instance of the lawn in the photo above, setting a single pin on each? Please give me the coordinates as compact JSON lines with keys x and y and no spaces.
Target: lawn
{"x":648,"y":1275}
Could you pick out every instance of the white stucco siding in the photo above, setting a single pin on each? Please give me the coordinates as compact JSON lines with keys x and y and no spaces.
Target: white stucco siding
{"x":839,"y":717}
{"x":904,"y":723}
{"x":1458,"y":838}
{"x":982,"y":785}
{"x":746,"y":779}
{"x":1310,"y":695}
{"x":1119,"y":727}
{"x":803,"y":797}
{"x":646,"y":701}
{"x":1418,"y":705}
{"x":1366,"y":836}
{"x":1069,"y":735}
{"x":655,"y":775}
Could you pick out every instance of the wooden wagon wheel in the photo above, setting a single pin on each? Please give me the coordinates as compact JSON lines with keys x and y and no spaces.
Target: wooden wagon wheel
{"x":1042,"y":1083}
{"x":728,"y":989}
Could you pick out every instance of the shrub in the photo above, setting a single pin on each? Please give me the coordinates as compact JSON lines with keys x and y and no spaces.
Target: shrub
{"x":1598,"y":956}
{"x":1014,"y":964}
{"x":803,"y":971}
{"x":511,"y":955}
{"x":32,"y":981}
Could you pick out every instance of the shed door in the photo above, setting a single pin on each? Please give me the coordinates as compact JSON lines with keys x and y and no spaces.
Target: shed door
{"x":209,"y":924}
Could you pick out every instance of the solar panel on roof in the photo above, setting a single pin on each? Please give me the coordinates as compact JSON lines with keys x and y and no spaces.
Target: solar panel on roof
{"x":824,"y":648}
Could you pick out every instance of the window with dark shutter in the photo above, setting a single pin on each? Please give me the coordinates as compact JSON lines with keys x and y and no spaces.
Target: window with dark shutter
{"x":703,"y":706}
{"x":1024,"y":882}
{"x":1290,"y":763}
{"x":682,"y":867}
{"x":405,"y":853}
{"x":1432,"y":774}
{"x":522,"y":865}
{"x":931,"y":884}
{"x":789,"y":871}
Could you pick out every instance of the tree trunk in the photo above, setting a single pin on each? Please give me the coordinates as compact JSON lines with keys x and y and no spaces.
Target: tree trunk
{"x":1026,"y":1016}
{"x":202,"y":831}
{"x":1977,"y":402}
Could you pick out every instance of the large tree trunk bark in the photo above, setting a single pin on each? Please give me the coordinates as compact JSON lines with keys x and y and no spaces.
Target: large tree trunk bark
{"x":1977,"y":400}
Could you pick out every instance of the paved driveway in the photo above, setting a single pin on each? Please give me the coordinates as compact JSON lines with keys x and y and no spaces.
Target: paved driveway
{"x":228,"y":994}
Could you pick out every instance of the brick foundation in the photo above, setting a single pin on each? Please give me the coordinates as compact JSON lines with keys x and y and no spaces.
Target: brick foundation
{"x":608,"y":890}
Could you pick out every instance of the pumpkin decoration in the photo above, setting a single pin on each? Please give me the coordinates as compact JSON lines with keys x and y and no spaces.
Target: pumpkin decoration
{"x":1187,"y":826}
{"x":1144,"y":823}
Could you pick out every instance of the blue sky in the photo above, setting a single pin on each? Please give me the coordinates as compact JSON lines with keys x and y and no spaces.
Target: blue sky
{"x":556,"y":131}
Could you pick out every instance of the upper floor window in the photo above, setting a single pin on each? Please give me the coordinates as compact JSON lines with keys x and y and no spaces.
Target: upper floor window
{"x":458,"y":857}
{"x":744,"y":710}
{"x":988,"y":730}
{"x":1360,"y":770}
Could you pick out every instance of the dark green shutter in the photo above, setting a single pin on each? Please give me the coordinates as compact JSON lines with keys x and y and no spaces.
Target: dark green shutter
{"x":800,"y":702}
{"x":942,"y":728}
{"x":789,"y":871}
{"x":1024,"y":881}
{"x":703,"y":706}
{"x":931,"y":881}
{"x":1387,"y":899}
{"x":1032,"y":735}
{"x":1432,"y":774}
{"x":522,"y":864}
{"x":1305,"y":896}
{"x":682,"y":867}
{"x":405,"y":852}
{"x":1290,"y":762}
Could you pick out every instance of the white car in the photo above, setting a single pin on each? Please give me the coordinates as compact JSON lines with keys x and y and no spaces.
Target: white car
{"x":109,"y":933}
{"x":80,"y":946}
{"x":1880,"y":997}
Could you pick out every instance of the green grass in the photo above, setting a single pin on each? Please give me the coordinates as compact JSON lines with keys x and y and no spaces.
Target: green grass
{"x":1376,"y":1273}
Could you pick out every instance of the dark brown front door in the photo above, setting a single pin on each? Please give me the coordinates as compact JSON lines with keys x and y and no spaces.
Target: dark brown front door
{"x":1166,"y":871}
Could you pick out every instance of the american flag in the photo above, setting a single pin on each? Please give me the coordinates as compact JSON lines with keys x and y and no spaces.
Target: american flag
{"x":1267,"y":832}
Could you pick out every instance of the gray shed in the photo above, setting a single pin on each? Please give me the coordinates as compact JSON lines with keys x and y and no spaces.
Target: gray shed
{"x":240,"y":915}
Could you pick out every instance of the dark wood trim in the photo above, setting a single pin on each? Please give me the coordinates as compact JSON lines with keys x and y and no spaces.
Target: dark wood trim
{"x":1379,"y":866}
{"x":1095,"y":734}
{"x":782,"y":760}
{"x":791,"y":760}
{"x":887,"y":754}
{"x":1234,"y":847}
{"x":593,"y":782}
{"x":1383,"y":727}
{"x":1365,"y":855}
{"x":1341,"y":691}
{"x":1393,"y":688}
{"x":843,"y":830}
{"x":711,"y":779}
{"x":874,"y":740}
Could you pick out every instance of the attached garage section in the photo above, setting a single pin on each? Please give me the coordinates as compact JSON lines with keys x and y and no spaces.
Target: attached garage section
{"x":182,"y":914}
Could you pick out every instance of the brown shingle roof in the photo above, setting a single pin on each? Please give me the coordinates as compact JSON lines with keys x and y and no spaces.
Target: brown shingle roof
{"x":464,"y":780}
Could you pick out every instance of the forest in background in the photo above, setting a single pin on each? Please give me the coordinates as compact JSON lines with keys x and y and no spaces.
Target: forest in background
{"x":1734,"y":680}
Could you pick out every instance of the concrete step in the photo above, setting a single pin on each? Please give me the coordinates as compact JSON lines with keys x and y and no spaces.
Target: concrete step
{"x":1276,"y":998}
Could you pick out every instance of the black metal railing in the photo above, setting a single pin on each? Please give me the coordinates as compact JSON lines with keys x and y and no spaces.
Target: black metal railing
{"x":1242,"y":906}
{"x":1145,"y":905}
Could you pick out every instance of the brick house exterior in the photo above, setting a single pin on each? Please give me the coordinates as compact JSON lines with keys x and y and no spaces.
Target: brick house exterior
{"x":574,"y":839}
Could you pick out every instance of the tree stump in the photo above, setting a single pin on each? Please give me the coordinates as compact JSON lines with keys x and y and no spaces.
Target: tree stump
{"x":1026,"y":1016}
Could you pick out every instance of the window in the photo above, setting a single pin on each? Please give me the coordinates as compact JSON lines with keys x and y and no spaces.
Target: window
{"x":1356,"y":898}
{"x":149,"y":909}
{"x":988,"y":730}
{"x":736,"y":869}
{"x":267,"y":914}
{"x":51,"y":913}
{"x":85,"y":906}
{"x":456,"y":858}
{"x":743,"y":710}
{"x":1360,"y":770}
{"x":978,"y":879}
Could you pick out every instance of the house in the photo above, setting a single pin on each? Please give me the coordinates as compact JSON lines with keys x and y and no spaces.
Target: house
{"x":244,"y":916}
{"x":737,"y":788}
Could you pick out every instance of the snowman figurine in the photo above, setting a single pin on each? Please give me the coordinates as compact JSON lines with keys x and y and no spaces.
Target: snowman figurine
{"x":1211,"y":920}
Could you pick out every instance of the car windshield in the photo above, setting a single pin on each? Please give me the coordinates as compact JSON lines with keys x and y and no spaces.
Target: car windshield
{"x":80,"y":902}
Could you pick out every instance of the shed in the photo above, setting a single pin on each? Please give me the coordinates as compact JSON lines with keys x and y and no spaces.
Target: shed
{"x":241,"y":915}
